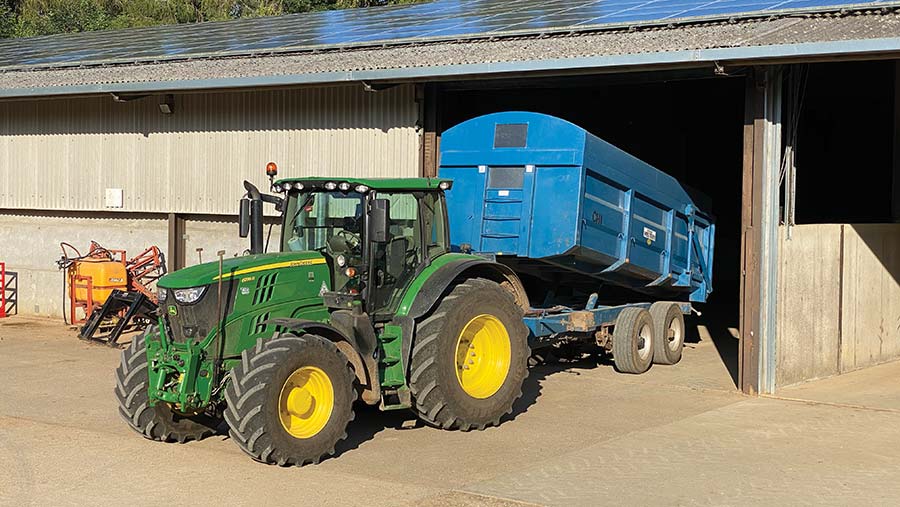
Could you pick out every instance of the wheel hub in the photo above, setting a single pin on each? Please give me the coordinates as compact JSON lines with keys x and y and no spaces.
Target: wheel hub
{"x":483,"y":356}
{"x":675,"y":334}
{"x":643,"y":342}
{"x":305,"y":402}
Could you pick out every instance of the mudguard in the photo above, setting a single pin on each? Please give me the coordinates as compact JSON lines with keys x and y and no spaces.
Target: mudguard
{"x":436,"y":284}
{"x":441,"y":280}
{"x":353,"y":329}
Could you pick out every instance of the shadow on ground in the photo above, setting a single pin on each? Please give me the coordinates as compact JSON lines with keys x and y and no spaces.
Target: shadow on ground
{"x":718,"y":325}
{"x":370,"y":421}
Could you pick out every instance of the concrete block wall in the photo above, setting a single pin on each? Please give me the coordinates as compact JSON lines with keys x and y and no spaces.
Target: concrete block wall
{"x":29,"y":244}
{"x":838,"y":301}
{"x":870,"y":323}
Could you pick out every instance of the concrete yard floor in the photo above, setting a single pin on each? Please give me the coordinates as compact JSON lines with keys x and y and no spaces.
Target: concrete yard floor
{"x":581,"y":435}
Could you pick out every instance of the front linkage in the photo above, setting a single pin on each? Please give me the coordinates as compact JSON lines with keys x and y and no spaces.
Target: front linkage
{"x":181,"y":375}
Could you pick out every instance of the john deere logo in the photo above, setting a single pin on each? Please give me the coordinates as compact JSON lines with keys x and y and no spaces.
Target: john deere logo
{"x":173,"y":310}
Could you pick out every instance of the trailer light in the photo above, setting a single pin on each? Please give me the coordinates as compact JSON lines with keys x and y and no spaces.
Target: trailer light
{"x":341,"y":260}
{"x":344,"y":186}
{"x":189,"y":296}
{"x":445,"y":185}
{"x":298,"y":186}
{"x":362,"y":189}
{"x":271,"y":169}
{"x":350,"y":272}
{"x":330,"y":185}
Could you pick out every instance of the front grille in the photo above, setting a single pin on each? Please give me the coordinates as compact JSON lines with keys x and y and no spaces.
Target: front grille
{"x":194,"y":322}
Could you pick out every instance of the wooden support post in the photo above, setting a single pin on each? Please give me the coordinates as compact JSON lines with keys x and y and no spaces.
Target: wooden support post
{"x":759,"y":223}
{"x":175,"y":255}
{"x":748,"y":360}
{"x":431,"y":138}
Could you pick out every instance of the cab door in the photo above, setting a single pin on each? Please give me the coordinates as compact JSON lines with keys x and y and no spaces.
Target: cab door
{"x":417,"y":233}
{"x":394,"y":262}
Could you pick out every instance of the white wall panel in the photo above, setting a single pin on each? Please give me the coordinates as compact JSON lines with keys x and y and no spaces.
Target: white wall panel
{"x":62,"y":154}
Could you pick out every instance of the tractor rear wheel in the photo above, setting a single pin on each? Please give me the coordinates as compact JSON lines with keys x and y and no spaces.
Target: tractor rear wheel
{"x":469,"y":358}
{"x":158,"y":422}
{"x":290,"y":399}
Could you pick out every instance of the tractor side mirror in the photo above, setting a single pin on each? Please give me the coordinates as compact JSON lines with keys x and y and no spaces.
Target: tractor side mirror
{"x":244,"y":218}
{"x":378,"y":220}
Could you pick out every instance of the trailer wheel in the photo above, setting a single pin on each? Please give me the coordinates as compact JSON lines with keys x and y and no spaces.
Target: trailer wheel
{"x":469,"y":358}
{"x":158,"y":422}
{"x":633,"y":340}
{"x":290,"y":399}
{"x":668,"y":322}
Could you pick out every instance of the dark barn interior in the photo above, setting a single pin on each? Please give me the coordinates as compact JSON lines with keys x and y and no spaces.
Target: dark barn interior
{"x":690,"y":127}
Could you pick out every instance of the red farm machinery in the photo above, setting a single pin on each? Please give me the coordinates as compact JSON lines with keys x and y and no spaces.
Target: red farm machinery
{"x":109,"y":291}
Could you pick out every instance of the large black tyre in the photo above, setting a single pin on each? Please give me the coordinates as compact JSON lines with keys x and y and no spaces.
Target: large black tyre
{"x":159,"y":422}
{"x":257,"y":404}
{"x":668,"y":332}
{"x":438,"y":394}
{"x":633,"y":340}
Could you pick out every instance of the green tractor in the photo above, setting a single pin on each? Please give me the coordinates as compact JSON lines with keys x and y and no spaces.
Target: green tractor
{"x":363,"y":300}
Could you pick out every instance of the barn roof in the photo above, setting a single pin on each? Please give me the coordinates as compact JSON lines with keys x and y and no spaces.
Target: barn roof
{"x":458,"y":39}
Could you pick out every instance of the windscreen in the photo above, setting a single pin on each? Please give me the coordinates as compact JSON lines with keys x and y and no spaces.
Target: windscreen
{"x":330,"y":222}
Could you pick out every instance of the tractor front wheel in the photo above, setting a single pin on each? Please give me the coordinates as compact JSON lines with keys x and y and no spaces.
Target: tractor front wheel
{"x":290,"y":399}
{"x":469,"y":358}
{"x":160,"y":421}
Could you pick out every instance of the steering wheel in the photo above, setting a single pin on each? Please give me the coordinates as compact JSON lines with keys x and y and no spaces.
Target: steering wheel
{"x":351,"y":239}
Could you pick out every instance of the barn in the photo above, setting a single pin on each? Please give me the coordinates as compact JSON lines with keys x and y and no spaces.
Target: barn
{"x":786,"y":113}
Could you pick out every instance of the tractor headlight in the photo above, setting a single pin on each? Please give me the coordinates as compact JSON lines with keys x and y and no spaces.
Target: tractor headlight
{"x":189,"y":296}
{"x":162,"y":293}
{"x":341,"y":260}
{"x":344,"y":186}
{"x":330,"y":185}
{"x":298,"y":186}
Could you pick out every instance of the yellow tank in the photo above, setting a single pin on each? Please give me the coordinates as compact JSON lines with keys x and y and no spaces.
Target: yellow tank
{"x":105,"y":276}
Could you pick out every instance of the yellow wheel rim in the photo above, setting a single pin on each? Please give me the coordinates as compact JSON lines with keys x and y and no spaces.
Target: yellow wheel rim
{"x":306,"y":402}
{"x":482,"y":356}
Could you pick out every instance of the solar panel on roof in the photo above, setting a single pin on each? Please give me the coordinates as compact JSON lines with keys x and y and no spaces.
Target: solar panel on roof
{"x":438,"y":20}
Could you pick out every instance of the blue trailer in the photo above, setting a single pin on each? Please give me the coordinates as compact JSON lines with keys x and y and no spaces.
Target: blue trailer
{"x":574,"y":216}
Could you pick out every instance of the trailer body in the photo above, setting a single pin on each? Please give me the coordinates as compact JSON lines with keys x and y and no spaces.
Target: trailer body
{"x":535,"y":190}
{"x":549,"y":199}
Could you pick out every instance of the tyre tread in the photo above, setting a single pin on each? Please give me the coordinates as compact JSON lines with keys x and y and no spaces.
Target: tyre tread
{"x":245,"y":397}
{"x":430,"y":400}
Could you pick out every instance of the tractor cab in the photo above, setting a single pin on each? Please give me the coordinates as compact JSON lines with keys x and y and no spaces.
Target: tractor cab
{"x":375,"y":235}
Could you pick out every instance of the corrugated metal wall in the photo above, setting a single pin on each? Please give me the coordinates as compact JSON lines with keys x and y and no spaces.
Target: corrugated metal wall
{"x":63,"y":154}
